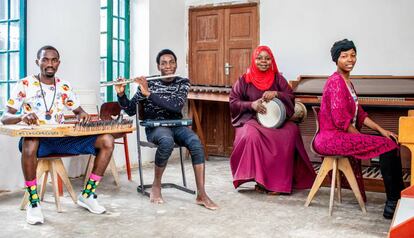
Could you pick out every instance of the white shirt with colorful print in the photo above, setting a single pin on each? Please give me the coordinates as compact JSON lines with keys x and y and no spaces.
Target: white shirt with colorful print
{"x":28,"y":94}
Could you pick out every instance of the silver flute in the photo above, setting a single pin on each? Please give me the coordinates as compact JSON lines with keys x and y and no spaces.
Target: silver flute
{"x":106,"y":84}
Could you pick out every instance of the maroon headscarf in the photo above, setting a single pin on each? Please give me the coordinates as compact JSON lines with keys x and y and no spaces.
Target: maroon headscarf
{"x":261,"y":80}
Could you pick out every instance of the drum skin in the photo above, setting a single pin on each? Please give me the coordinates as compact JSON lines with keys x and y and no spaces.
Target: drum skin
{"x":275,"y":114}
{"x":300,"y":113}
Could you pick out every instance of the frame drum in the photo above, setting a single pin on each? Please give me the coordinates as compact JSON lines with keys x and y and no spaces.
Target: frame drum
{"x":300,"y":113}
{"x":275,"y":114}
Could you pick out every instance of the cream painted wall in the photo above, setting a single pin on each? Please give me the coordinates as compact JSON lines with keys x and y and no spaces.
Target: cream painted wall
{"x":167,"y":30}
{"x":155,"y":25}
{"x":301,"y":33}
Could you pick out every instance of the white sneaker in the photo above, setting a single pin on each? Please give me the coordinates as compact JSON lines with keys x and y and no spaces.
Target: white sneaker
{"x":91,"y":203}
{"x":34,"y":214}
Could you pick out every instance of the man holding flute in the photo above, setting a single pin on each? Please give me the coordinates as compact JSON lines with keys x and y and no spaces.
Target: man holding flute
{"x":43,"y":98}
{"x":163,"y":99}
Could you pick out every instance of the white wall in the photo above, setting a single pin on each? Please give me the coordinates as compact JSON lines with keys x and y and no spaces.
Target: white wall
{"x":156,"y":25}
{"x":74,"y":31}
{"x":168,"y":31}
{"x":73,"y":28}
{"x":301,"y":32}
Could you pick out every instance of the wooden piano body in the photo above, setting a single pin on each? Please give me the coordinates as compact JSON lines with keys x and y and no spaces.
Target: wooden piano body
{"x":209,"y":109}
{"x":385,"y":98}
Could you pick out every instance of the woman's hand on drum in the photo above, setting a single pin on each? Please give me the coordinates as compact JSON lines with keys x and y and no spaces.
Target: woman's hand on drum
{"x":269,"y":95}
{"x":258,"y":106}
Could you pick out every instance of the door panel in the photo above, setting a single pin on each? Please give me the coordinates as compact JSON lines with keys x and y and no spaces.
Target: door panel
{"x":206,"y":42}
{"x":220,"y":36}
{"x":240,"y":39}
{"x":206,"y":64}
{"x":238,"y":59}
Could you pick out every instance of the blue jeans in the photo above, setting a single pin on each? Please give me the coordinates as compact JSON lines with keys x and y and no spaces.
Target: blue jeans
{"x":166,"y":137}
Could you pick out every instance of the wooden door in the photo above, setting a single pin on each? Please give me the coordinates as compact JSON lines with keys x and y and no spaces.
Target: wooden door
{"x":240,"y":39}
{"x":222,"y":40}
{"x":206,"y":34}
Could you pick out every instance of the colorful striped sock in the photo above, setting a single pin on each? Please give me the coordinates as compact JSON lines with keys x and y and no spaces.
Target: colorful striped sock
{"x":31,"y":187}
{"x":91,"y":185}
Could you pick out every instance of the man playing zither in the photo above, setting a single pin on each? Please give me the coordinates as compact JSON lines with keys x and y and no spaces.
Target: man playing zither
{"x":43,"y":98}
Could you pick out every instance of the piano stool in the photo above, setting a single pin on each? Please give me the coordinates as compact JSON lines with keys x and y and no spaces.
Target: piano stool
{"x":52,"y":165}
{"x":336,"y":164}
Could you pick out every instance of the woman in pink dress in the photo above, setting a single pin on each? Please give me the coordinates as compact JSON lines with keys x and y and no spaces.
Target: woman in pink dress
{"x":341,"y":118}
{"x":274,"y":158}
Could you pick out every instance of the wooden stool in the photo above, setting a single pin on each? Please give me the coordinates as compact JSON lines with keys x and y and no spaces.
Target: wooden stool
{"x":111,"y":165}
{"x":54,"y":166}
{"x":336,"y":164}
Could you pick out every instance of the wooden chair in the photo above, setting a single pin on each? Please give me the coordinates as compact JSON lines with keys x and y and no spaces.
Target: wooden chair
{"x":52,"y":165}
{"x":141,"y":143}
{"x":336,"y":164}
{"x":107,"y":112}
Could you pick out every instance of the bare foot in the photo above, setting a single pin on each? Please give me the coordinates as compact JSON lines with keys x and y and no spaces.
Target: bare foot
{"x":155,"y":195}
{"x":206,"y":202}
{"x":261,"y":189}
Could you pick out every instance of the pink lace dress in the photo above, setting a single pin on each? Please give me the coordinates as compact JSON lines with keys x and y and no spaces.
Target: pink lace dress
{"x":337,"y":112}
{"x":339,"y":109}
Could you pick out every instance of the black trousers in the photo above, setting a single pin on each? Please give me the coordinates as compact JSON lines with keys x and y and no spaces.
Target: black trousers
{"x":391,"y":170}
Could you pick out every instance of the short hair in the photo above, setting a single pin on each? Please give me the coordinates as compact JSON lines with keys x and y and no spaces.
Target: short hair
{"x":165,"y":52}
{"x":47,"y":47}
{"x":340,"y":46}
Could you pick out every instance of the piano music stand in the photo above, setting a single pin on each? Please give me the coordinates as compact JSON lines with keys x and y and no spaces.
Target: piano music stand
{"x":142,"y":187}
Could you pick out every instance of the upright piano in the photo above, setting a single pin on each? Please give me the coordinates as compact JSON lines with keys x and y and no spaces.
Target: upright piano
{"x":384,"y":97}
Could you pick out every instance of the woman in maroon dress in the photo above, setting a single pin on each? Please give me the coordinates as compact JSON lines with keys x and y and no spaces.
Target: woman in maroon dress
{"x":274,"y":158}
{"x":341,"y":118}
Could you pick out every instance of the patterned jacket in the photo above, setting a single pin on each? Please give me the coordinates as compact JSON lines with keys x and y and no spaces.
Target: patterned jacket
{"x":165,"y":101}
